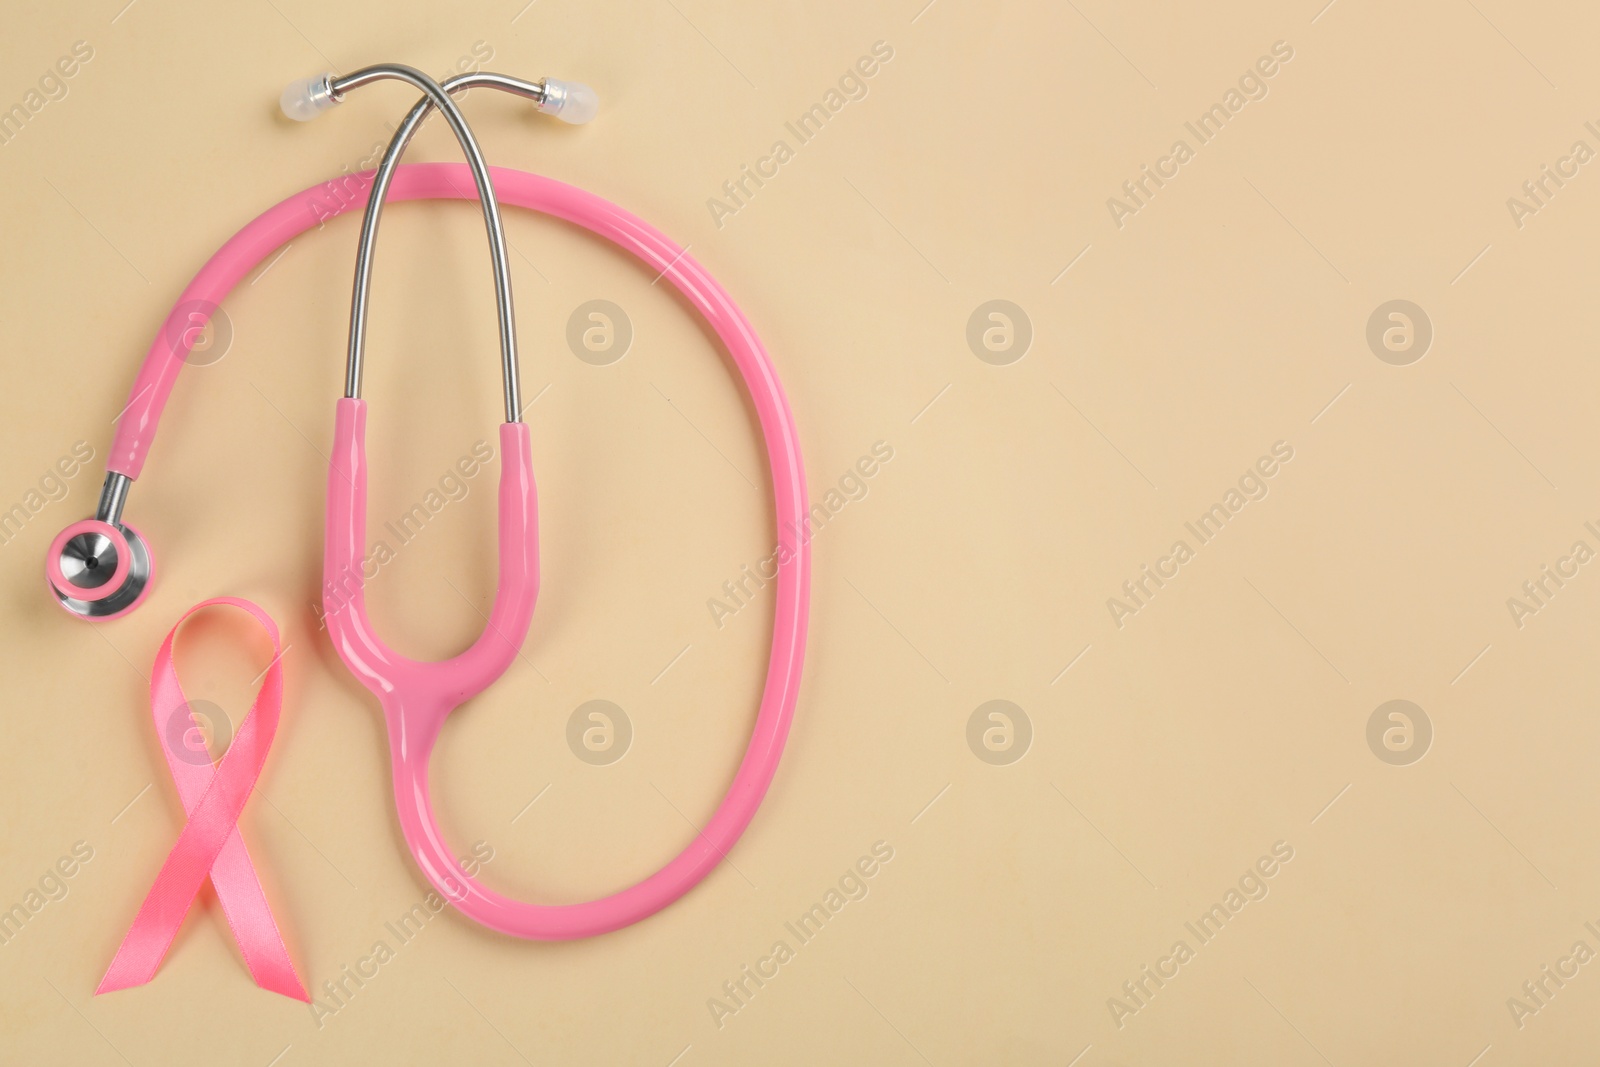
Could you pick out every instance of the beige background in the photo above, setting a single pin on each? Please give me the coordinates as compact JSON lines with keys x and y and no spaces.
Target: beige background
{"x":1168,"y":354}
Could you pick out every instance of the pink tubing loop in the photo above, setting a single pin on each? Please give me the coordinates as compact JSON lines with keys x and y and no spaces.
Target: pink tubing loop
{"x":416,"y":697}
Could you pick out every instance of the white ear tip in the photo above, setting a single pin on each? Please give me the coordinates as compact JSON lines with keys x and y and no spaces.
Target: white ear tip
{"x":306,"y":98}
{"x":572,"y":102}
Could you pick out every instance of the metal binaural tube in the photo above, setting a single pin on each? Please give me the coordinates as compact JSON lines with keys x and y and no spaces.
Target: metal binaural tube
{"x":438,"y":96}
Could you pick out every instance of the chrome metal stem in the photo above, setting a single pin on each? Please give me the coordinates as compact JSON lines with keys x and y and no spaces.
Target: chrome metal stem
{"x":435,"y":96}
{"x":534,"y":91}
{"x":113,"y":496}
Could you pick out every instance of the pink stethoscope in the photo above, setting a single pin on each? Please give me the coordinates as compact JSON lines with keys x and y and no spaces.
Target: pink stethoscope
{"x":101,"y":568}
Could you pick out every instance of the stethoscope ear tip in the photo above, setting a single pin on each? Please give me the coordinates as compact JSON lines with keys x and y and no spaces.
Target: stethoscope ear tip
{"x":305,"y":98}
{"x":572,"y":102}
{"x":99,"y":570}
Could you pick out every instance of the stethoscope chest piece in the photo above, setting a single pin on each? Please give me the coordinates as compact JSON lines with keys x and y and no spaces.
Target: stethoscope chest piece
{"x":98,"y":570}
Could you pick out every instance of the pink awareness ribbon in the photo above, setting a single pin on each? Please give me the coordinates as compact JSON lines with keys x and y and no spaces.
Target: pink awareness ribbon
{"x":210,"y":843}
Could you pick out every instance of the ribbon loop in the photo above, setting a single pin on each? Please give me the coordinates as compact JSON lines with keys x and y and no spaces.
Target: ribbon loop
{"x":210,"y":845}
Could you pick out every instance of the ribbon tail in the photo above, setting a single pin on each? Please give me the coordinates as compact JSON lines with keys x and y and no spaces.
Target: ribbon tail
{"x":244,"y":905}
{"x":144,"y":948}
{"x":120,"y":975}
{"x":182,"y":874}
